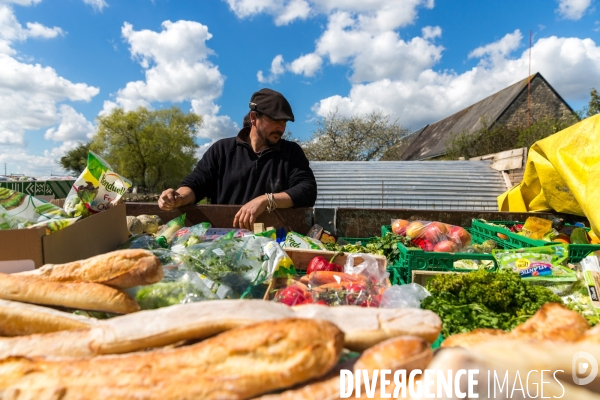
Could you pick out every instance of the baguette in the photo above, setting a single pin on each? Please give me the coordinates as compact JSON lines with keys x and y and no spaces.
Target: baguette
{"x":77,"y":295}
{"x":237,"y":364}
{"x":363,"y":327}
{"x":18,"y":319}
{"x":399,"y":353}
{"x":120,"y":269}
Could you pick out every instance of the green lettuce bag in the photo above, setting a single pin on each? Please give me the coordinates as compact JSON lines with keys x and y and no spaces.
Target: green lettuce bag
{"x":97,"y":189}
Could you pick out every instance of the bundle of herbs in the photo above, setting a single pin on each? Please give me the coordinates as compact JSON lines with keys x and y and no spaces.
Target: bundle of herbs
{"x":482,"y":299}
{"x":386,"y":246}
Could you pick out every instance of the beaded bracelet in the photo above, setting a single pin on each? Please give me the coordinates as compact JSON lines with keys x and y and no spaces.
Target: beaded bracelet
{"x":271,"y":200}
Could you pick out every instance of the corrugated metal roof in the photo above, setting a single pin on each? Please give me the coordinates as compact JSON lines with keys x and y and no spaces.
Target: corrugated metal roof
{"x":432,"y":140}
{"x":443,"y":185}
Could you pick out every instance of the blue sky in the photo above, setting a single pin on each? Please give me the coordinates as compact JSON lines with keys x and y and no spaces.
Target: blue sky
{"x":64,"y":62}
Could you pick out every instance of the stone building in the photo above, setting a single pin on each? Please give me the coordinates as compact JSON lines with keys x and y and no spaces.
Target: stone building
{"x":510,"y":107}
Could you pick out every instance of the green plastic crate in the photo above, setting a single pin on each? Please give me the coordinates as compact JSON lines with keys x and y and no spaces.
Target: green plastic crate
{"x":395,"y":276}
{"x":415,"y":259}
{"x":438,"y":342}
{"x":577,"y":252}
{"x":514,"y":240}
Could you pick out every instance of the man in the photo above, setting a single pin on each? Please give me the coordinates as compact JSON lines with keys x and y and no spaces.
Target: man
{"x":257,"y":168}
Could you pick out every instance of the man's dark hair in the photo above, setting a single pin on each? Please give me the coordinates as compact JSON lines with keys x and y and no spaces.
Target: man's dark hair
{"x":247,"y":120}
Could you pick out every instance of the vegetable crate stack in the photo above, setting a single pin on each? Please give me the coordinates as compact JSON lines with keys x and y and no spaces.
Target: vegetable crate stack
{"x":427,"y":246}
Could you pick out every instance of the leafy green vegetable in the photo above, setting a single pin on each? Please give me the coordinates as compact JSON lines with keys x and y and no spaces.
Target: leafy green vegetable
{"x":483,"y":299}
{"x":386,"y":246}
{"x":164,"y":294}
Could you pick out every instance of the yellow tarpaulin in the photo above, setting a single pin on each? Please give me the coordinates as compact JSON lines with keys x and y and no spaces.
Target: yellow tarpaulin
{"x":562,"y":174}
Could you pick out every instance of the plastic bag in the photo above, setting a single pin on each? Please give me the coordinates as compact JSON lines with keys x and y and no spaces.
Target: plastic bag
{"x":180,"y":285}
{"x":19,"y":211}
{"x":404,"y":296}
{"x":537,"y":263}
{"x":97,"y":189}
{"x":189,"y":236}
{"x":213,"y":234}
{"x":369,"y":268}
{"x":141,"y":242}
{"x":244,"y":264}
{"x":433,"y":235}
{"x":165,"y":235}
{"x":359,"y":284}
{"x":298,"y":241}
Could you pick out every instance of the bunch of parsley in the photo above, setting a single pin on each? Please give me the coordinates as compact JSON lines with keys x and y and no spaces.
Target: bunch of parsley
{"x":482,"y":299}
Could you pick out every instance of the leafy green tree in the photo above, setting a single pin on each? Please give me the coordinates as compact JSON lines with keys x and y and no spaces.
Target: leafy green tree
{"x":356,"y":138}
{"x":75,"y":160}
{"x":154,"y":149}
{"x":594,"y":105}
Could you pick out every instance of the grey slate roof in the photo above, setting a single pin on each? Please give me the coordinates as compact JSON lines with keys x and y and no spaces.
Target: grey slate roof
{"x":431,"y":142}
{"x":442,"y":185}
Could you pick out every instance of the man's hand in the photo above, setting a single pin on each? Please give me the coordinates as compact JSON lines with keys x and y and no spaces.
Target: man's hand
{"x":248,"y":214}
{"x":170,"y":199}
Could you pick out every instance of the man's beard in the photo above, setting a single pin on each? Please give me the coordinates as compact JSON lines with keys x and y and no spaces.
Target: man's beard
{"x":266,"y":139}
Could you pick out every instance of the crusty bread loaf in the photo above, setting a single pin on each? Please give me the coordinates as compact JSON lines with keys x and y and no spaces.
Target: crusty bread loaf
{"x":365,"y":327}
{"x":17,"y":319}
{"x":77,"y":295}
{"x":164,"y":326}
{"x":405,"y":353}
{"x":495,"y":363}
{"x":552,"y":321}
{"x":120,"y":269}
{"x":237,"y":364}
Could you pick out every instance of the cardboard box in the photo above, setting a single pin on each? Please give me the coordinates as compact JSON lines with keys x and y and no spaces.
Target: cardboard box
{"x":25,"y":249}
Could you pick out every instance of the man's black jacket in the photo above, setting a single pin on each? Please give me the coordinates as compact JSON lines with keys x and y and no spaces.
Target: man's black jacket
{"x":230,"y":172}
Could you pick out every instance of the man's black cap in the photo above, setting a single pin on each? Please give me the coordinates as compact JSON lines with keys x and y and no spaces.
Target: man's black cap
{"x":272,"y":104}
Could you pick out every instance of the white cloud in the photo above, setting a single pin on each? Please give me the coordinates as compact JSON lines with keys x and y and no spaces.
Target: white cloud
{"x":12,"y":31}
{"x":411,"y":100}
{"x":360,"y":33}
{"x":97,"y":5}
{"x":295,"y":9}
{"x":20,"y":2}
{"x":573,"y":9}
{"x":306,"y":65}
{"x":277,"y":68}
{"x":494,"y":53}
{"x":177,"y":69}
{"x":431,"y":32}
{"x":41,"y":31}
{"x":29,"y":93}
{"x":73,"y":126}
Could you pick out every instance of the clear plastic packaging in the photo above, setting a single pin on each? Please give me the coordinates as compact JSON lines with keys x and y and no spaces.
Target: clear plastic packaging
{"x":245,"y":265}
{"x":189,"y":236}
{"x":433,"y":235}
{"x":537,"y":263}
{"x":19,"y":211}
{"x":180,"y":285}
{"x":404,"y":296}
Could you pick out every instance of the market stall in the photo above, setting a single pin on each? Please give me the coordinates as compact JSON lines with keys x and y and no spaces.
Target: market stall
{"x":390,"y":303}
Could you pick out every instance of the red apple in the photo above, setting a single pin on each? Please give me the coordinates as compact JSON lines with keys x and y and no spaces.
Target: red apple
{"x":399,"y":226}
{"x":415,"y":229}
{"x":446,"y":246}
{"x":427,"y":245}
{"x":460,"y":236}
{"x":435,"y":232}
